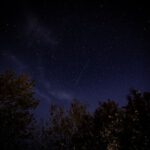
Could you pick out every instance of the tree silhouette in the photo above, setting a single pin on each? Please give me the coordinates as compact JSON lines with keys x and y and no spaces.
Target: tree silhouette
{"x":109,"y":127}
{"x":71,"y":128}
{"x":137,"y":122}
{"x":108,"y":119}
{"x":16,"y":104}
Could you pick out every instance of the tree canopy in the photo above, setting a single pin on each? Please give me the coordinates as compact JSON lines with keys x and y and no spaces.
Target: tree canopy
{"x":16,"y":104}
{"x":109,"y":127}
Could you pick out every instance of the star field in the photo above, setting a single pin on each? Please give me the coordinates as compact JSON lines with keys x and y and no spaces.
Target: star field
{"x":90,"y":51}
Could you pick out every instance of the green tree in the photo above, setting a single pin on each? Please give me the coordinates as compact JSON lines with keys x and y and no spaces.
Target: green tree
{"x":16,"y":104}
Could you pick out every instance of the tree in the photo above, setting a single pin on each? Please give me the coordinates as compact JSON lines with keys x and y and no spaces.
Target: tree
{"x":82,"y":126}
{"x":16,"y":104}
{"x":137,"y":122}
{"x":69,"y":129}
{"x":108,"y":122}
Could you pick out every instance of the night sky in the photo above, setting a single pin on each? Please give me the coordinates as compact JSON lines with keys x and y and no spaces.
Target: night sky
{"x":90,"y":51}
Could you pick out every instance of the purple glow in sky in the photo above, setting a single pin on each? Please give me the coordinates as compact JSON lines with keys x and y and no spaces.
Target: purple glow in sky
{"x":89,"y":51}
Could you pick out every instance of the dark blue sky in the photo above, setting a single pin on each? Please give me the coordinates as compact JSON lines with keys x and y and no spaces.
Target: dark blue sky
{"x":90,"y":51}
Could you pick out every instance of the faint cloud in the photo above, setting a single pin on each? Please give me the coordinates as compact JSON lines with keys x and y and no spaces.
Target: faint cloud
{"x":42,"y":95}
{"x":38,"y":33}
{"x":62,"y":95}
{"x":14,"y":61}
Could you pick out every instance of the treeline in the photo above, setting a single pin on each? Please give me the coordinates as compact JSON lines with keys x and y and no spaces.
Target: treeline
{"x":109,"y":127}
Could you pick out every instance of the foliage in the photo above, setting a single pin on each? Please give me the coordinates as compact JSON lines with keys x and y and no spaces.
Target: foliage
{"x":108,"y":119}
{"x":67,"y":127}
{"x":16,"y":103}
{"x":137,"y":122}
{"x":109,"y":127}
